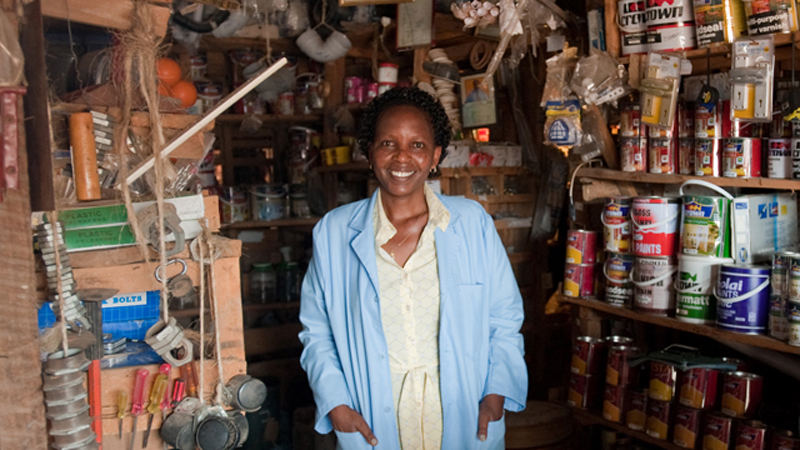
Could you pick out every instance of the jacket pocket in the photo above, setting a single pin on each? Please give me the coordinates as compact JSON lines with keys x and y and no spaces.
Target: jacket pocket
{"x":495,"y":436}
{"x":350,"y":441}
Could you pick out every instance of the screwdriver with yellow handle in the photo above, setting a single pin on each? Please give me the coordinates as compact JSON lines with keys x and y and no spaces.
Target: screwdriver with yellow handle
{"x":156,"y":396}
{"x":122,"y":403}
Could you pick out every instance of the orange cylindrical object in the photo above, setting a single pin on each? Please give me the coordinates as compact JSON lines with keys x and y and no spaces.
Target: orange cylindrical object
{"x":84,"y":157}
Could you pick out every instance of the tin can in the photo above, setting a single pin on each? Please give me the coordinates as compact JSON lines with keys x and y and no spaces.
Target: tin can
{"x":779,"y":163}
{"x":769,"y":17}
{"x":387,"y":72}
{"x":655,"y":226}
{"x":751,"y":435}
{"x":743,"y":298}
{"x":614,"y":403}
{"x":579,"y":280}
{"x":658,"y":419}
{"x":619,"y":286}
{"x":618,"y":370}
{"x":785,"y":440}
{"x":234,"y":205}
{"x":707,"y":157}
{"x":654,"y":287}
{"x":618,"y":340}
{"x":717,"y":432}
{"x":582,"y":391}
{"x":780,"y":274}
{"x":778,"y":321}
{"x":695,"y":302}
{"x":686,"y":156}
{"x":741,"y":394}
{"x":741,"y":158}
{"x":796,"y":158}
{"x":581,"y":247}
{"x":707,"y":121}
{"x":793,"y":333}
{"x":698,"y":388}
{"x":630,"y":113}
{"x":704,"y":228}
{"x":793,"y":281}
{"x":685,"y":120}
{"x":351,"y":82}
{"x":792,"y":310}
{"x":371,"y":91}
{"x":616,"y":219}
{"x":633,"y":26}
{"x":663,"y":155}
{"x":636,"y":415}
{"x":718,"y":21}
{"x":633,"y":154}
{"x":688,"y":427}
{"x":740,"y":365}
{"x":670,"y":26}
{"x":588,"y":355}
{"x":663,"y":379}
{"x":355,"y":94}
{"x":285,"y":104}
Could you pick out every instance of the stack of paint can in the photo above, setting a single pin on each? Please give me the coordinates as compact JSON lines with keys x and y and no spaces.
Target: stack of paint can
{"x":697,"y":395}
{"x":792,"y":300}
{"x":779,"y":298}
{"x":633,"y":135}
{"x":619,"y":261}
{"x":588,"y":363}
{"x":732,"y":426}
{"x":711,"y":124}
{"x":686,"y":130}
{"x":579,"y":278}
{"x":779,"y":148}
{"x":705,"y":246}
{"x":621,"y":381}
{"x":655,"y":242}
{"x":662,"y":146}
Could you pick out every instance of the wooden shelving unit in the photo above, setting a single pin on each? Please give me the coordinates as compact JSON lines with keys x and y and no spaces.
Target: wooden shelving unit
{"x":255,"y":224}
{"x":361,"y":166}
{"x":593,"y":418}
{"x":657,"y":178}
{"x":456,"y":172}
{"x":271,"y":118}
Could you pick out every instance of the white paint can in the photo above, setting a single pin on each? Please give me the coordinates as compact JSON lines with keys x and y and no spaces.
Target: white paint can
{"x":670,"y":25}
{"x":780,"y":159}
{"x":632,"y":22}
{"x":654,"y":288}
{"x":695,"y":302}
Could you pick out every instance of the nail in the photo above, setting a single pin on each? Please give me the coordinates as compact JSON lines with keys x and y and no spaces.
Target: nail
{"x":482,"y":437}
{"x":373,"y":442}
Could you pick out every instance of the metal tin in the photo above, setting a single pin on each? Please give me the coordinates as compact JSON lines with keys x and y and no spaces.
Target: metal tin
{"x":685,"y":120}
{"x":796,"y":158}
{"x":717,"y":432}
{"x":636,"y":415}
{"x":655,"y":226}
{"x":581,"y":247}
{"x":779,"y":162}
{"x":705,"y":226}
{"x":588,"y":354}
{"x":741,"y":158}
{"x":793,"y":281}
{"x":244,"y":393}
{"x":741,"y":394}
{"x":707,"y":157}
{"x":618,"y":340}
{"x":707,"y":121}
{"x":778,"y":322}
{"x":618,"y":370}
{"x":769,"y":17}
{"x":582,"y":391}
{"x":654,"y":287}
{"x":686,"y":156}
{"x":688,"y":427}
{"x":633,"y":26}
{"x":663,"y":155}
{"x":718,"y":21}
{"x":633,"y":154}
{"x":781,"y":272}
{"x":698,"y":388}
{"x":614,"y":403}
{"x":743,"y":298}
{"x":579,"y":280}
{"x":794,"y":334}
{"x":785,"y":440}
{"x":751,"y":435}
{"x":658,"y":419}
{"x":663,"y":379}
{"x":285,"y":104}
{"x":697,"y":275}
{"x":670,"y":26}
{"x":630,"y":114}
{"x":619,"y":286}
{"x":616,"y":220}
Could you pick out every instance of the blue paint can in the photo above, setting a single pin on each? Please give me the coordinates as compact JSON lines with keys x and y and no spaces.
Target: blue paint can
{"x":743,"y":298}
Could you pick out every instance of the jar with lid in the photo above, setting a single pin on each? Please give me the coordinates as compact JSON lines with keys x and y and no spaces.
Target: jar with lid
{"x":262,"y":283}
{"x":289,"y":282}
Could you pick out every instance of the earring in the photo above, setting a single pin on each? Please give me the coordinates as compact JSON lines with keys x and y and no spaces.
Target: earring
{"x":370,"y":167}
{"x":433,"y":170}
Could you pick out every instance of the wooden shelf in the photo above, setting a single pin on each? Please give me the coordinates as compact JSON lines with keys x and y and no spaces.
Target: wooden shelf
{"x":255,"y":224}
{"x":669,"y":322}
{"x":505,"y":198}
{"x":520,"y":257}
{"x":456,"y":172}
{"x":270,"y":118}
{"x":656,"y":178}
{"x":361,"y":166}
{"x":592,"y":418}
{"x":261,"y":307}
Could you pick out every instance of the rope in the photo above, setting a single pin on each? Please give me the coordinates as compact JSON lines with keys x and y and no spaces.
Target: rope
{"x":60,"y":285}
{"x":201,"y":247}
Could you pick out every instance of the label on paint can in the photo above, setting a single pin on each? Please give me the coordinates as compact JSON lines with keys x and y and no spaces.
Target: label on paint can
{"x":707,"y":121}
{"x":751,"y":435}
{"x":579,"y":280}
{"x":686,"y":156}
{"x":695,"y":301}
{"x":655,"y":226}
{"x":717,"y":432}
{"x":796,"y":158}
{"x":718,"y":21}
{"x":780,"y":158}
{"x":616,"y":220}
{"x":687,"y":427}
{"x":636,"y":416}
{"x":654,"y":291}
{"x":769,"y":17}
{"x":619,"y":287}
{"x":741,"y":158}
{"x":658,"y":415}
{"x":707,"y":156}
{"x":705,"y":226}
{"x":633,"y":26}
{"x":781,"y":273}
{"x":630,"y":113}
{"x":670,"y":25}
{"x":778,"y":322}
{"x":581,"y":247}
{"x":743,"y":298}
{"x":663,"y":155}
{"x":633,"y":154}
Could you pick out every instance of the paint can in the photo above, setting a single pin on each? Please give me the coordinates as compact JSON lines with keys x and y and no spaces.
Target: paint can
{"x":581,"y":247}
{"x":582,"y":391}
{"x":654,"y":289}
{"x":695,"y":302}
{"x":741,"y":158}
{"x":685,"y":117}
{"x":663,"y":379}
{"x":233,"y":204}
{"x":630,"y":112}
{"x":707,"y":157}
{"x":718,"y":21}
{"x":741,"y":394}
{"x":619,"y":286}
{"x":633,"y":154}
{"x":698,"y":388}
{"x":614,"y":403}
{"x":670,"y":25}
{"x":785,"y":440}
{"x":770,"y":17}
{"x":751,"y":435}
{"x":632,"y":26}
{"x":778,"y":322}
{"x":686,"y":156}
{"x":705,"y":228}
{"x":743,"y":298}
{"x":793,"y":338}
{"x":796,"y":158}
{"x":616,"y":219}
{"x":780,"y":274}
{"x":579,"y":280}
{"x":663,"y":155}
{"x":792,"y":311}
{"x":658,"y":419}
{"x":779,"y":162}
{"x":588,"y":355}
{"x":718,"y":431}
{"x":618,"y":340}
{"x":636,"y":415}
{"x":688,"y":427}
{"x":793,"y":280}
{"x":619,"y":372}
{"x":655,"y":226}
{"x":708,"y":121}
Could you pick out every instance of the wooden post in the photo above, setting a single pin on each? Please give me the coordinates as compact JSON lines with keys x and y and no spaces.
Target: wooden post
{"x":334,"y":74}
{"x":612,"y":30}
{"x":420,"y":54}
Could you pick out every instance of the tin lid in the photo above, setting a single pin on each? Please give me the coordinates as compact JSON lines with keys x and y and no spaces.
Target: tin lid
{"x":626,"y":349}
{"x":743,"y":375}
{"x":787,"y":254}
{"x":589,"y":339}
{"x":655,"y":197}
{"x":757,"y":424}
{"x":745,"y":268}
{"x":619,"y":340}
{"x":583,"y":231}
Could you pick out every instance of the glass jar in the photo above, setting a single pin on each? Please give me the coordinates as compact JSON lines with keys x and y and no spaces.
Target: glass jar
{"x":289,"y":282}
{"x":262,"y":283}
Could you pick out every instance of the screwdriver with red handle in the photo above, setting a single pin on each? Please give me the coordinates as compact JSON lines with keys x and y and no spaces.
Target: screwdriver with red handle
{"x":156,"y":397}
{"x":137,"y":405}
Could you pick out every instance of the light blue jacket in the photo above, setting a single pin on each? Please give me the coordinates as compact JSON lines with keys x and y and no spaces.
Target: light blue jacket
{"x":480,"y":347}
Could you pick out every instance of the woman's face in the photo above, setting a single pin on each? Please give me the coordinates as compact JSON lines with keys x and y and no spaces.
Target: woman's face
{"x":403,"y":152}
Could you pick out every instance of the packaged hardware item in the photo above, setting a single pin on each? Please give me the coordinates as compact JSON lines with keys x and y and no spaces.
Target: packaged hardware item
{"x":763,"y":224}
{"x":752,"y":79}
{"x":659,"y":89}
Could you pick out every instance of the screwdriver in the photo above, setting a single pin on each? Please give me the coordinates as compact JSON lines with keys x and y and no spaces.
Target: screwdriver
{"x":178,"y":392}
{"x":156,"y":397}
{"x":138,"y":400}
{"x":189,"y":375}
{"x":122,"y":403}
{"x":164,"y":407}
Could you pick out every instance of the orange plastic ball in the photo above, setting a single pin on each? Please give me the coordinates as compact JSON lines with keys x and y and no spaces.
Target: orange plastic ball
{"x":169,"y":72}
{"x":185,"y":92}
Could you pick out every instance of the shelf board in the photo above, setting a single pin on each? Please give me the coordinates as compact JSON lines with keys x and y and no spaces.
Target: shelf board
{"x":456,"y":172}
{"x":592,"y":418}
{"x":270,"y":118}
{"x":669,"y":322}
{"x":520,"y":257}
{"x":254,"y":224}
{"x":657,"y":178}
{"x":505,"y":198}
{"x":349,"y":167}
{"x":261,"y":307}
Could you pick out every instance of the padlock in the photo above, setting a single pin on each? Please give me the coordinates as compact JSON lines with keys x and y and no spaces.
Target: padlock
{"x":166,"y":337}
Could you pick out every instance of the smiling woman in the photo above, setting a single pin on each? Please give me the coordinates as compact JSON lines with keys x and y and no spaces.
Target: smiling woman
{"x":405,"y":288}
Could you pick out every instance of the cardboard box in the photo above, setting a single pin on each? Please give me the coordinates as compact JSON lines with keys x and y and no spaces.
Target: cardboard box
{"x":762,"y":225}
{"x":189,"y":208}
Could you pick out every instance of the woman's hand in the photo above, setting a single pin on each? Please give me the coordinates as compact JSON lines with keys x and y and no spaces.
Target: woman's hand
{"x":491,"y":410}
{"x":345,"y":420}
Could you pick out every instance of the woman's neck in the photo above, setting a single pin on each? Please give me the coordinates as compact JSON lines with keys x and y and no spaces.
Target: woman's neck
{"x":401,"y":209}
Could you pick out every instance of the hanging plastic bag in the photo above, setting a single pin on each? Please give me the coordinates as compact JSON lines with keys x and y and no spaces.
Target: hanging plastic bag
{"x":12,"y":61}
{"x":562,"y":127}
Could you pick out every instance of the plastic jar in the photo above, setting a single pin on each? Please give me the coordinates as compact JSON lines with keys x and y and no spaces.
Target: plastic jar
{"x":263,"y":287}
{"x":268,"y":202}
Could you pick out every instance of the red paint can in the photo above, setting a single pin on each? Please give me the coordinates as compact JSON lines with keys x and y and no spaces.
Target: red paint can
{"x":785,"y":440}
{"x":686,"y":156}
{"x":699,"y":388}
{"x":633,"y":154}
{"x":688,"y":427}
{"x":658,"y":419}
{"x":616,"y":220}
{"x":588,"y":354}
{"x":581,"y":247}
{"x":618,"y":370}
{"x":636,"y":416}
{"x":708,"y":122}
{"x":751,"y":435}
{"x":614,"y":403}
{"x":685,"y":120}
{"x":619,"y":340}
{"x":579,"y":280}
{"x":663,"y":378}
{"x":582,"y":391}
{"x":630,"y":123}
{"x":707,"y":157}
{"x":741,"y":394}
{"x":655,"y":226}
{"x":717,"y":432}
{"x":663,"y":155}
{"x":741,"y":158}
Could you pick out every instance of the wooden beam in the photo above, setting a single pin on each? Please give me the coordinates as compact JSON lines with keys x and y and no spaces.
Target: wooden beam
{"x":420,"y":55}
{"x":612,"y":31}
{"x":110,"y":14}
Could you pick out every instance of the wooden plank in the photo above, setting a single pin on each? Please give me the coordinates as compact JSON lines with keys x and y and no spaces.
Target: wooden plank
{"x":113,"y":13}
{"x":229,"y":320}
{"x":612,"y":30}
{"x":669,"y":322}
{"x":455,"y":172}
{"x":269,"y":118}
{"x":420,"y":55}
{"x":191,"y":149}
{"x":594,"y":418}
{"x":261,"y":341}
{"x":211,"y":206}
{"x":255,"y":224}
{"x":644,"y":177}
